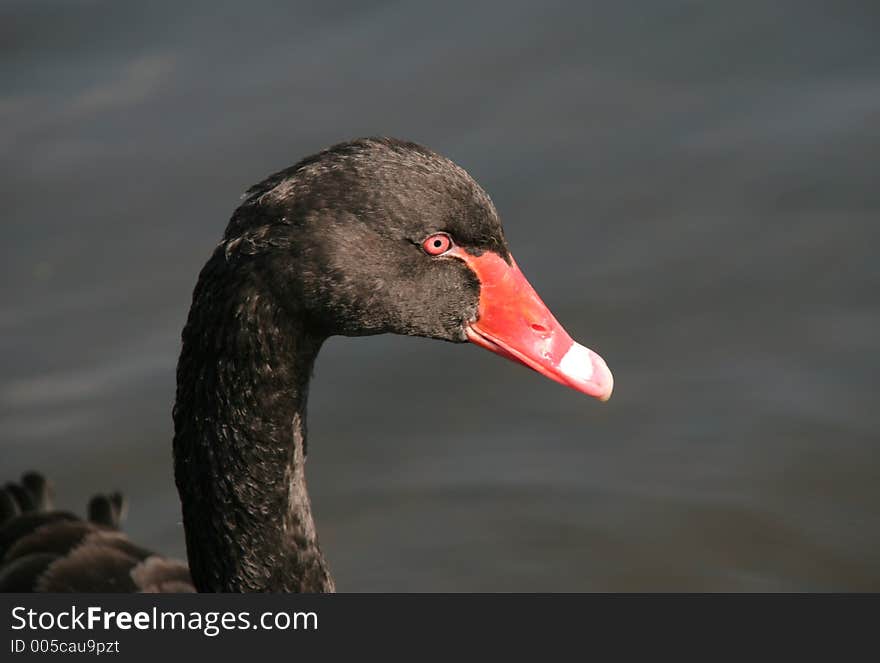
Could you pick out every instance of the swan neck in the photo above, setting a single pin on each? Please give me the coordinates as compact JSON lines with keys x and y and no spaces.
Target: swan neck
{"x":240,"y":437}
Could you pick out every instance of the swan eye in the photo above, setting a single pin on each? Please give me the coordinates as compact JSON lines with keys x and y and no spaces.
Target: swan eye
{"x":437,"y":244}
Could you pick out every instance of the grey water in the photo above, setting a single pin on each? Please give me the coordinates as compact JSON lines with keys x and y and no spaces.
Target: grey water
{"x":692,"y":187}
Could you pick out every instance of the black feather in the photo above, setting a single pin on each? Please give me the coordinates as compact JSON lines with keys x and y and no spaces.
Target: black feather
{"x":56,"y":551}
{"x":23,"y":574}
{"x":9,"y":508}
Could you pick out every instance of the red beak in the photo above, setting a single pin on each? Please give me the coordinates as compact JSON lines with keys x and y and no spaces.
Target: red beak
{"x":514,"y":323}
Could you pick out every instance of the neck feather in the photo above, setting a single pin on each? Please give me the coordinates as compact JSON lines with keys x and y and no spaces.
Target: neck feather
{"x":240,"y":436}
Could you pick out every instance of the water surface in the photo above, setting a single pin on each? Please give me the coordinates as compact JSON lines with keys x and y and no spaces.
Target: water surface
{"x":692,"y":188}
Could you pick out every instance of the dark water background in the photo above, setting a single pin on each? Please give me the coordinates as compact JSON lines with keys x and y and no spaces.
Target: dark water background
{"x":693,"y":188}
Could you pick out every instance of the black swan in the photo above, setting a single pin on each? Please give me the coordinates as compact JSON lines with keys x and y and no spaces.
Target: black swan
{"x":366,"y":237}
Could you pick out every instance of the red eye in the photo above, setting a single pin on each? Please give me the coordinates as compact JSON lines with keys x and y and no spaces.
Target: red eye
{"x":437,"y":244}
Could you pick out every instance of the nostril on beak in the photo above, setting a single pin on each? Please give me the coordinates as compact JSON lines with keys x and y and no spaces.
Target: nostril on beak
{"x":539,"y":328}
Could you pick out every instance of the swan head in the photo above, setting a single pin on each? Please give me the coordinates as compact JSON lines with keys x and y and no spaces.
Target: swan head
{"x":384,"y":236}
